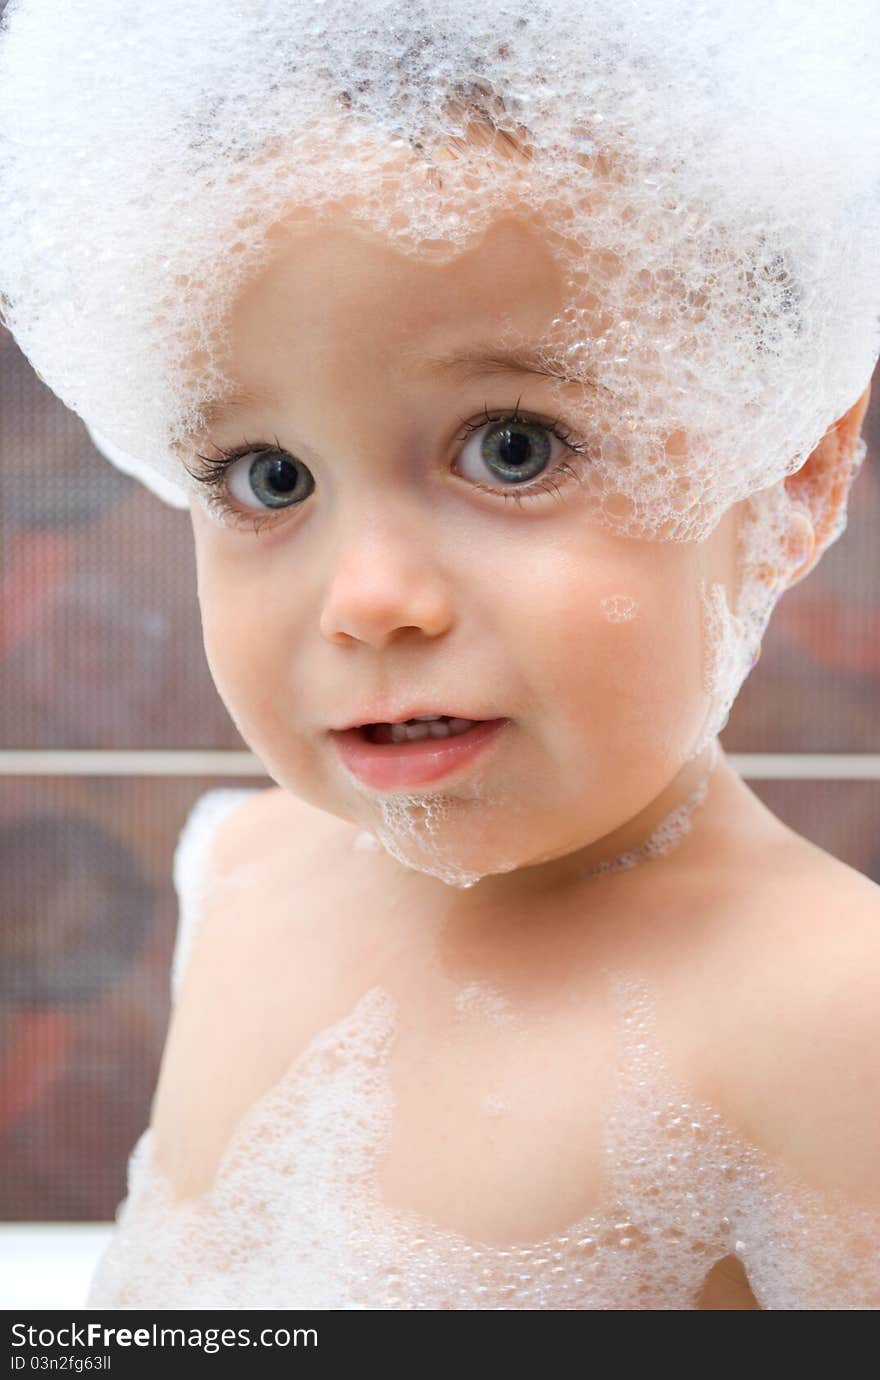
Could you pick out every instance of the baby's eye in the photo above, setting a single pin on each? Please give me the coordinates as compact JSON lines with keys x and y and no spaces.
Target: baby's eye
{"x":511,"y":450}
{"x":253,"y":479}
{"x":272,"y":476}
{"x":512,"y":453}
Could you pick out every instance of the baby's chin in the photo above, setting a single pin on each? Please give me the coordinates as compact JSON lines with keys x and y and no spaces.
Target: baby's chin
{"x":480,"y":825}
{"x":461,"y":841}
{"x":440,"y":835}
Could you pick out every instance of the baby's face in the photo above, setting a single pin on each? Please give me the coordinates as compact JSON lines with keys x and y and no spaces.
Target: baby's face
{"x":400,"y":559}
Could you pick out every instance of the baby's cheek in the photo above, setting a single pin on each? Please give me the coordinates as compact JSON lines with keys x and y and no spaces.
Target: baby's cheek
{"x":628,"y":659}
{"x":239,"y":646}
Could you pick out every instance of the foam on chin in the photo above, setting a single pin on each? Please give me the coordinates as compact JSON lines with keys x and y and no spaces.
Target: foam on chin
{"x":415,"y":831}
{"x":420,"y":830}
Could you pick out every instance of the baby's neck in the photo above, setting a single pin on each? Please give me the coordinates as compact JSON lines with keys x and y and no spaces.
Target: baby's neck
{"x":692,"y":824}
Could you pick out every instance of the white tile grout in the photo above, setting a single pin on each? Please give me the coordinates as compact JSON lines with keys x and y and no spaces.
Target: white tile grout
{"x":754,"y":766}
{"x":806,"y":766}
{"x":98,"y":762}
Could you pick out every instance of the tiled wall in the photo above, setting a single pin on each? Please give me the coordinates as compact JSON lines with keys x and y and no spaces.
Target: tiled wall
{"x":101,"y":650}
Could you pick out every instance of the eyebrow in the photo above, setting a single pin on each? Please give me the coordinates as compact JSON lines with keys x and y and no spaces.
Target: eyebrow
{"x":477,"y":361}
{"x":482,"y":361}
{"x":221,"y":409}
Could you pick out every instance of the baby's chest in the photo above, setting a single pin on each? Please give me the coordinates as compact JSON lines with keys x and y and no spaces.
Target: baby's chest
{"x":496,"y":1118}
{"x":447,"y":1103}
{"x":493,"y":1114}
{"x":478,"y":1162}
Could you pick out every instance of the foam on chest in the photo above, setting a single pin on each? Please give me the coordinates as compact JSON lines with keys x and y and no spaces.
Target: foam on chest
{"x":294,"y":1218}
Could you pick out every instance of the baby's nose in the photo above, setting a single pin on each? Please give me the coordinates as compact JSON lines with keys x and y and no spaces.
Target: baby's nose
{"x":384,"y":582}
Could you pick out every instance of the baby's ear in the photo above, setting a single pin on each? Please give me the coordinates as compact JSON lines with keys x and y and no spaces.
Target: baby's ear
{"x":820,"y":488}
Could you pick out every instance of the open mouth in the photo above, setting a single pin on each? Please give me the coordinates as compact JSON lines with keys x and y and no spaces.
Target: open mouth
{"x":417,"y":730}
{"x":389,"y":756}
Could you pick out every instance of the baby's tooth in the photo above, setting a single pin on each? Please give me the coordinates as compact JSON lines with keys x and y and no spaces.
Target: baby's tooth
{"x":423,"y":728}
{"x":406,"y":733}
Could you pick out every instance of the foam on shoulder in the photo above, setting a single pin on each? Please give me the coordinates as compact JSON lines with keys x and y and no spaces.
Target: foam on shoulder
{"x":189,"y":867}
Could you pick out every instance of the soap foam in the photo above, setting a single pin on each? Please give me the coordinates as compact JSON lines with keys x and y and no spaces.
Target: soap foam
{"x":294,"y":1218}
{"x":619,"y":608}
{"x":482,"y":1000}
{"x":421,"y":830}
{"x":365,"y":842}
{"x":708,"y":177}
{"x":666,"y":836}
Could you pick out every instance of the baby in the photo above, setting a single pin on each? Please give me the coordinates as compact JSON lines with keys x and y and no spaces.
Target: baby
{"x":500,"y":438}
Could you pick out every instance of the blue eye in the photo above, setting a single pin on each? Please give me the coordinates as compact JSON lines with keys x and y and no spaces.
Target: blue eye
{"x":515,"y":448}
{"x":275,"y":478}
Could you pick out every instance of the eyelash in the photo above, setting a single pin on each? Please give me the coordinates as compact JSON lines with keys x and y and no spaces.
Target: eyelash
{"x":213,"y":475}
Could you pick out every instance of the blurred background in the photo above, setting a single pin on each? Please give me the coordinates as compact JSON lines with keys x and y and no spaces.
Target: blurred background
{"x":102,"y":658}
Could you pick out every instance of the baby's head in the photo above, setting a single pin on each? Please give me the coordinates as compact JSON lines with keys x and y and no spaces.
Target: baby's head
{"x":548,"y":385}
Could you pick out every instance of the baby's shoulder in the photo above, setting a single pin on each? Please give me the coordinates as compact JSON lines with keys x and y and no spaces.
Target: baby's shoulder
{"x":223,"y":823}
{"x":234,"y":846}
{"x":795,"y":1020}
{"x":258,"y":971}
{"x":204,"y":837}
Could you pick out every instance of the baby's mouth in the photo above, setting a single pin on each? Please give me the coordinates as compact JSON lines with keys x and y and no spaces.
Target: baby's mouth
{"x":390,"y":756}
{"x":417,"y":730}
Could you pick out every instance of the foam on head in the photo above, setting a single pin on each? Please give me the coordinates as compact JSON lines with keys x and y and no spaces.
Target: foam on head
{"x":709,"y":173}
